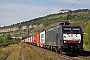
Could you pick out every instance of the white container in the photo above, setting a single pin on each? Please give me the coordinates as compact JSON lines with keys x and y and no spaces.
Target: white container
{"x":42,"y":37}
{"x":26,"y":40}
{"x":31,"y":39}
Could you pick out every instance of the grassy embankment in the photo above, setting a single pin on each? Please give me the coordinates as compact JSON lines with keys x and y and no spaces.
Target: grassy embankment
{"x":22,"y":52}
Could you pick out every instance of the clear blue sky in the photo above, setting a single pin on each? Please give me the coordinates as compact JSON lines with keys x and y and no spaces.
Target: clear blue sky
{"x":14,"y":11}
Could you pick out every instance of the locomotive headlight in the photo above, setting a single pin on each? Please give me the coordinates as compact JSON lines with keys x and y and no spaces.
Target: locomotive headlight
{"x":65,"y":41}
{"x":79,"y":41}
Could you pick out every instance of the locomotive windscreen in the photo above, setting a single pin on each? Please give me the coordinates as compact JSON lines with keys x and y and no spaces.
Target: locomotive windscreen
{"x":67,"y":30}
{"x":71,"y":30}
{"x":76,"y":30}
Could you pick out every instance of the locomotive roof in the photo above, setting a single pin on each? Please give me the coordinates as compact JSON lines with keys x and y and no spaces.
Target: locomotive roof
{"x":63,"y":26}
{"x":67,"y":26}
{"x":50,"y":29}
{"x":70,"y":26}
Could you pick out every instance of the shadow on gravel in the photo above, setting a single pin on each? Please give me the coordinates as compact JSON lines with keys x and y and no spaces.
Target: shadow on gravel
{"x":84,"y":53}
{"x":72,"y":55}
{"x":76,"y":54}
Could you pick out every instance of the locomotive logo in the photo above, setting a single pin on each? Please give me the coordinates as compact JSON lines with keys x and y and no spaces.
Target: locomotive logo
{"x":42,"y":36}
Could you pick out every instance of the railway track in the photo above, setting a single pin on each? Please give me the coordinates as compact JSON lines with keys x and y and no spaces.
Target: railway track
{"x":56,"y":56}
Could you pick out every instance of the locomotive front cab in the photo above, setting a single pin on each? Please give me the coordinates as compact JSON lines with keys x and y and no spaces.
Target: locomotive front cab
{"x":72,"y":38}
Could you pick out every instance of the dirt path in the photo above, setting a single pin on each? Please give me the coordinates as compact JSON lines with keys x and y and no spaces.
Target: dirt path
{"x":21,"y":55}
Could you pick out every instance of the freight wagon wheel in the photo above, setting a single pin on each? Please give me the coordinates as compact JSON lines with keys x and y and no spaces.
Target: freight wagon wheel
{"x":48,"y":47}
{"x":52,"y":48}
{"x":55,"y":50}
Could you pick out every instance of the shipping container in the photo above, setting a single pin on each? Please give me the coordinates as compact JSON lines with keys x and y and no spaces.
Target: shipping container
{"x":42,"y":39}
{"x":38,"y":39}
{"x":29,"y":39}
{"x":23,"y":41}
{"x":26,"y":40}
{"x":32,"y":39}
{"x":35,"y":39}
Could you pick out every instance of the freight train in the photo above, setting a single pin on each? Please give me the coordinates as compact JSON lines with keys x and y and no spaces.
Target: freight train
{"x":61,"y":38}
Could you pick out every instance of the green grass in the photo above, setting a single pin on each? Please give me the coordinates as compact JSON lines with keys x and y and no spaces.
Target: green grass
{"x":86,"y":48}
{"x":4,"y":52}
{"x":15,"y":55}
{"x":31,"y":54}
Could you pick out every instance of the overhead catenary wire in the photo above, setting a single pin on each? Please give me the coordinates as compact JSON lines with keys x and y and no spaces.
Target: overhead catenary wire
{"x":67,"y":9}
{"x":73,"y":4}
{"x":67,"y":4}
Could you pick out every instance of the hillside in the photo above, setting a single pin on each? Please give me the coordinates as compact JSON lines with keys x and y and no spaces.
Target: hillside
{"x":23,"y":29}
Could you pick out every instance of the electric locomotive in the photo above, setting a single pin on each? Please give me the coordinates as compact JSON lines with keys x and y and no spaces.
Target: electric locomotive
{"x":64,"y":38}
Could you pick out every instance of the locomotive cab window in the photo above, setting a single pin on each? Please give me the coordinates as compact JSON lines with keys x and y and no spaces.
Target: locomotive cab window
{"x":76,"y":30}
{"x":71,"y":30}
{"x":66,"y":30}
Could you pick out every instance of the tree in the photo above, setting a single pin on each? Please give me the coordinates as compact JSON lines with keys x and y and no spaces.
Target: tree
{"x":87,"y":36}
{"x":7,"y":37}
{"x":6,"y":40}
